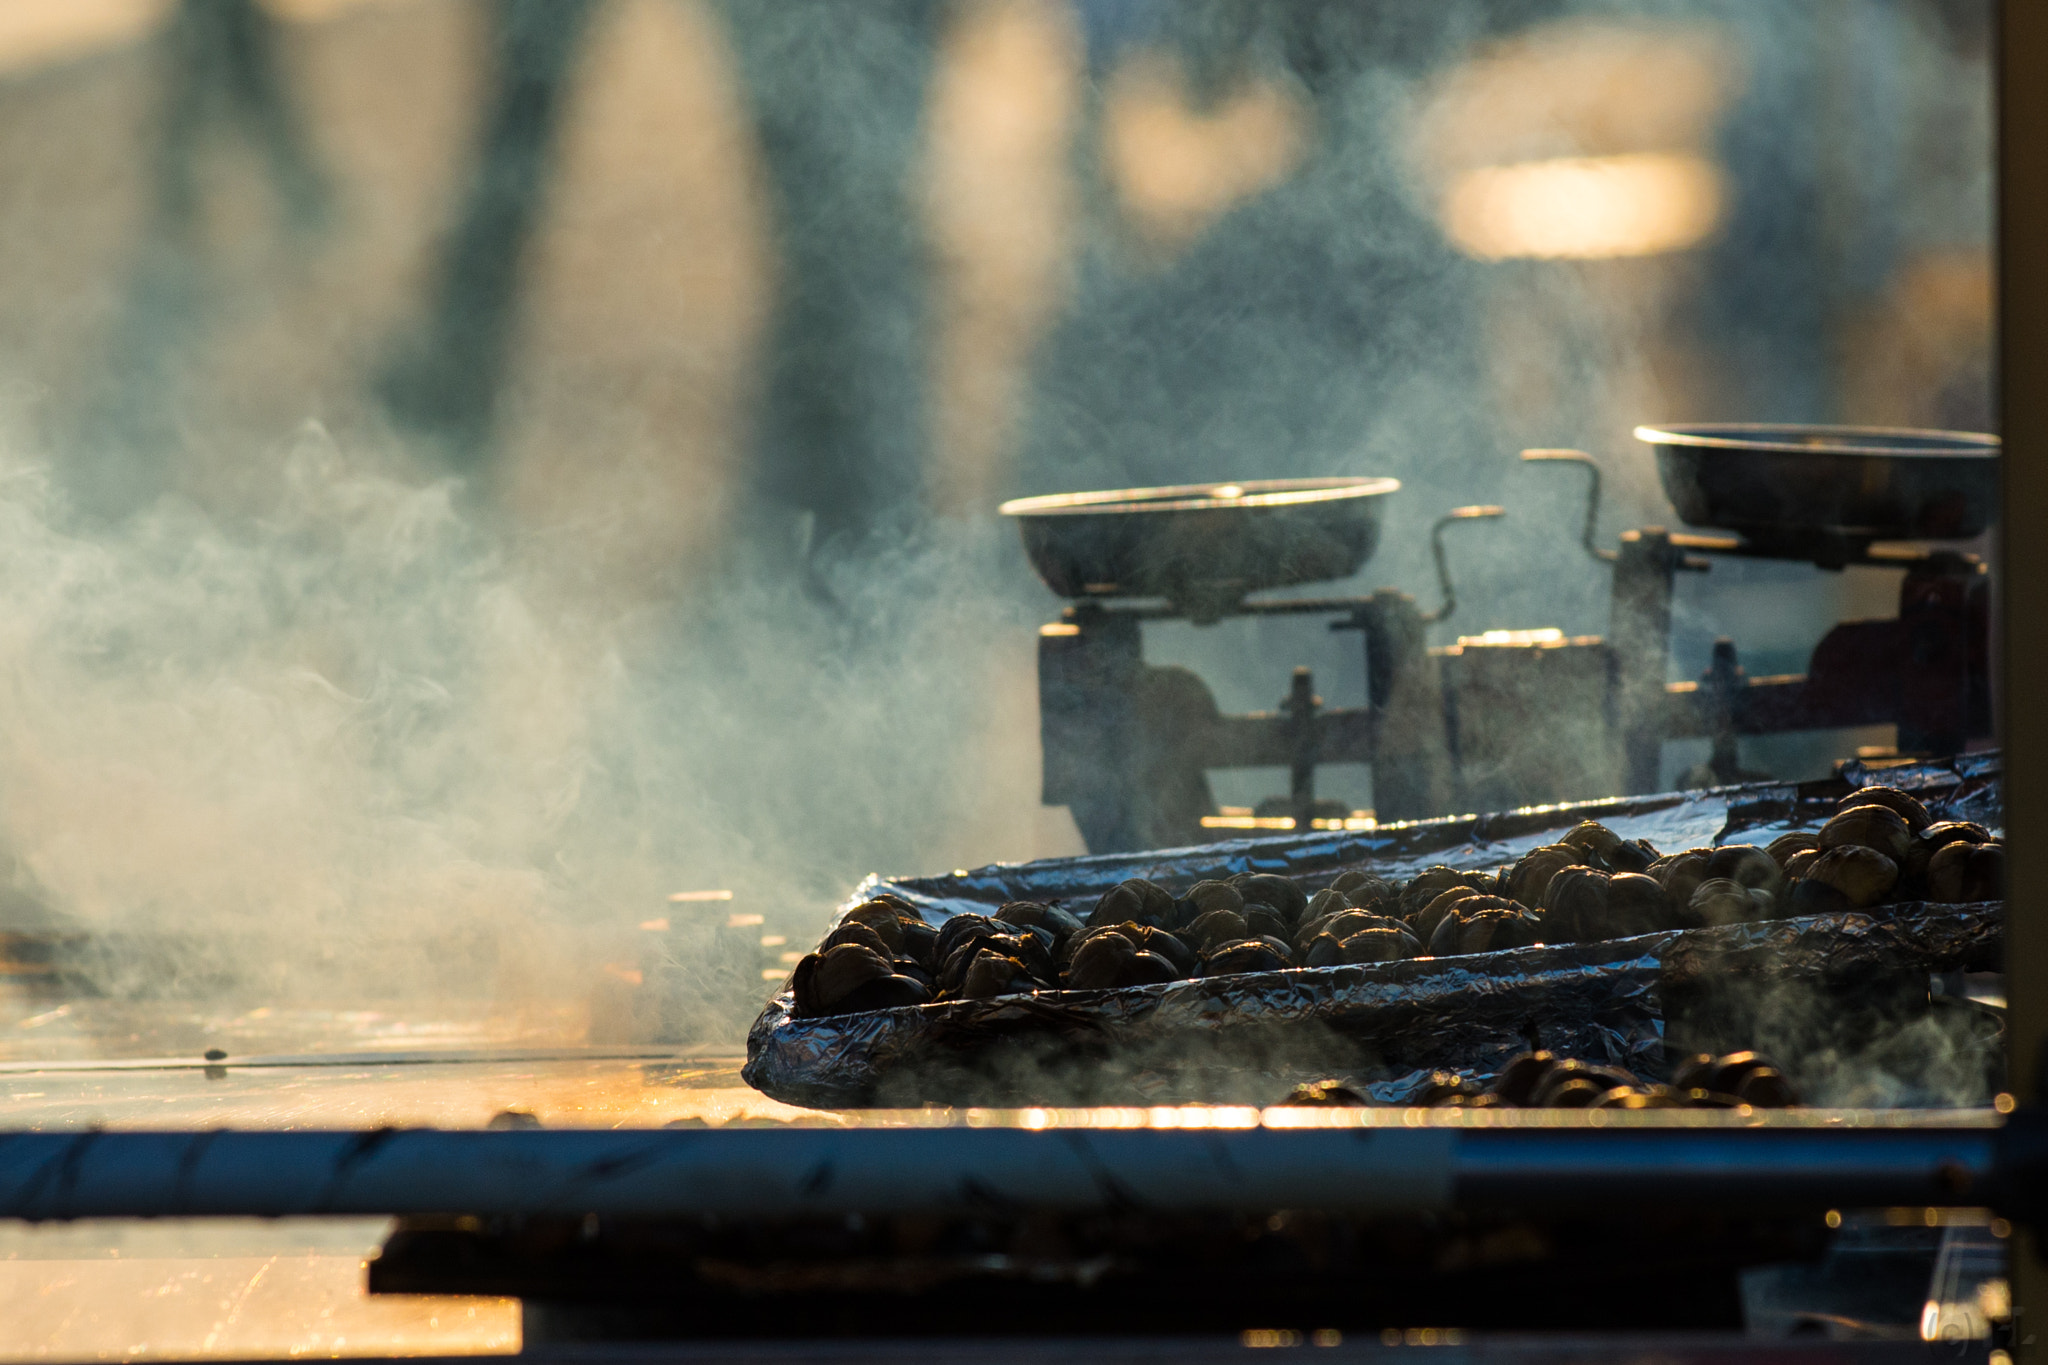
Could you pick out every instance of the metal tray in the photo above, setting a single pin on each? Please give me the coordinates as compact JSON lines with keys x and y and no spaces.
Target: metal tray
{"x":1245,"y":1038}
{"x":1793,"y":488}
{"x":1202,"y":545}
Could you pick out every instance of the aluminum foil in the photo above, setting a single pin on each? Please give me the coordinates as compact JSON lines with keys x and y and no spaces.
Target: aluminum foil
{"x":1245,"y":1038}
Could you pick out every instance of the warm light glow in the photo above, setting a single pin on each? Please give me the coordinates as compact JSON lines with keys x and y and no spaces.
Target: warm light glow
{"x":1518,"y":639}
{"x":1247,"y":822}
{"x":655,"y":926}
{"x":1586,"y":208}
{"x":1357,"y":820}
{"x":33,"y":35}
{"x":316,"y":11}
{"x":682,"y":897}
{"x":1177,"y":164}
{"x":1260,"y":1338}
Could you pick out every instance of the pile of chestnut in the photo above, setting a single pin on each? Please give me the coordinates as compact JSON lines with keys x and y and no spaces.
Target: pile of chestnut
{"x":1590,"y":886}
{"x":1540,"y":1080}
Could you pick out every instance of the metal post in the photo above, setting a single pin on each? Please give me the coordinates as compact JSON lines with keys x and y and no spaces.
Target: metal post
{"x":1639,"y":632}
{"x":1088,"y":669}
{"x":2023,"y":581}
{"x":1304,"y":743}
{"x":1409,"y":765}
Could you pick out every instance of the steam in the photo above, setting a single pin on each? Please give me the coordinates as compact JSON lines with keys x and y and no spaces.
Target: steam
{"x":1881,"y":1047}
{"x":366,"y":745}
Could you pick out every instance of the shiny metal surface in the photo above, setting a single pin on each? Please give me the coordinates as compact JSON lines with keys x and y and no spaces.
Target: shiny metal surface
{"x":1172,"y":1160}
{"x":1465,"y":1011}
{"x":250,"y":1288}
{"x":1203,"y":546}
{"x":1793,"y":489}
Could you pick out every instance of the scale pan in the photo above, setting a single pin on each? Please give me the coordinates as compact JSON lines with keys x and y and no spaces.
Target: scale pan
{"x":1202,"y":546}
{"x":1799,"y":486}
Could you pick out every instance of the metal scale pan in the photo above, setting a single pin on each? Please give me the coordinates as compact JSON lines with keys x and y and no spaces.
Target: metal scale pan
{"x":1202,"y":546}
{"x":1827,"y":492}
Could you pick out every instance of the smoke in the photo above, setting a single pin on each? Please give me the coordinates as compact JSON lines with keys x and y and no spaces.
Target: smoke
{"x":1879,"y":1044}
{"x":365,"y":744}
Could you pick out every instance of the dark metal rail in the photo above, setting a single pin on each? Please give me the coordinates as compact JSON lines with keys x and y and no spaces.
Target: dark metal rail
{"x":793,"y":1172}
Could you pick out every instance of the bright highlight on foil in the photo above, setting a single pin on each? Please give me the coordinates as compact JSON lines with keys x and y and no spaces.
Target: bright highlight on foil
{"x":1585,"y":208}
{"x":1241,"y":817}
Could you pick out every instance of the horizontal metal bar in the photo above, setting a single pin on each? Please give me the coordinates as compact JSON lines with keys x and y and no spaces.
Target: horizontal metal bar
{"x":437,"y":1057}
{"x":1263,"y":739}
{"x":1158,"y":609}
{"x":1774,"y":704}
{"x":792,"y":1172}
{"x":1755,"y":1168}
{"x":772,"y":1173}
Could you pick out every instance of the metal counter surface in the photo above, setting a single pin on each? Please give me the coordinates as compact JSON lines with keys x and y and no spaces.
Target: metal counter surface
{"x":241,"y":1288}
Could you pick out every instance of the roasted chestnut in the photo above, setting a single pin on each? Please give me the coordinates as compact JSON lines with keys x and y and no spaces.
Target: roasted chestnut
{"x":1721,"y":900}
{"x":1491,"y":928}
{"x":1167,"y":946}
{"x":884,"y":918}
{"x":1953,"y":832}
{"x":1279,"y":893}
{"x":1861,"y":873}
{"x":850,"y":931}
{"x":1361,"y":887}
{"x":1209,"y":896}
{"x":1636,"y":904}
{"x":1265,"y":923}
{"x":992,"y":973}
{"x":1325,"y":902}
{"x":1747,"y":864}
{"x":1099,"y":962}
{"x":823,"y":980}
{"x":1036,"y":915}
{"x":1250,"y":955}
{"x":1575,"y":906}
{"x":1962,"y":872}
{"x":921,"y":942}
{"x":1879,"y":828}
{"x":1682,"y":873}
{"x":1330,"y":1094}
{"x":1590,"y":836}
{"x":1785,"y":845}
{"x":1905,"y":805}
{"x":1518,"y":1079}
{"x":1377,"y":945}
{"x":1530,"y":877}
{"x":957,"y":929}
{"x":884,"y":993}
{"x":1425,"y":920}
{"x":1124,"y":901}
{"x":1426,"y":885}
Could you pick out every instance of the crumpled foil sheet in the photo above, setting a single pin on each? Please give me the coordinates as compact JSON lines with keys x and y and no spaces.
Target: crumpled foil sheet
{"x":1238,"y":1037}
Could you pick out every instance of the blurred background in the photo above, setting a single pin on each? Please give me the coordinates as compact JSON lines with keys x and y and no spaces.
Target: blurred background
{"x":497,"y":497}
{"x":476,"y":467}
